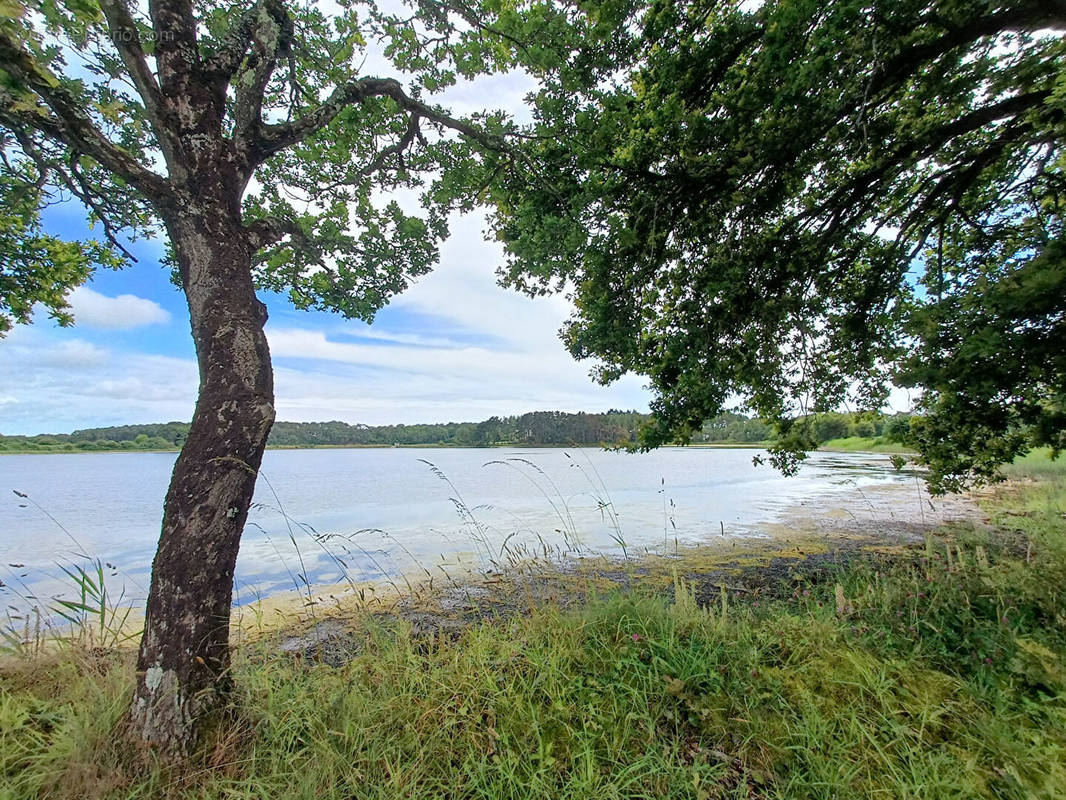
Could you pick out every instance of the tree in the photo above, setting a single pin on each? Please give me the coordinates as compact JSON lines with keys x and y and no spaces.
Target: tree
{"x":247,"y":135}
{"x":794,"y":202}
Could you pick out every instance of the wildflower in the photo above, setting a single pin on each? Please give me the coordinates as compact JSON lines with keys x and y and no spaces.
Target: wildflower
{"x":1005,"y":621}
{"x":806,"y":592}
{"x":636,"y":637}
{"x":988,"y":660}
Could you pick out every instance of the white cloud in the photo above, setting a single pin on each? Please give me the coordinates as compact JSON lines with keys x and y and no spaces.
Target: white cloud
{"x":374,"y":334}
{"x":54,"y":384}
{"x":95,"y":310}
{"x":473,"y":349}
{"x":378,"y":397}
{"x":72,"y":354}
{"x":490,"y":92}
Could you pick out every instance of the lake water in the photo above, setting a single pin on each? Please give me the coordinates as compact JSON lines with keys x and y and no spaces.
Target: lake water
{"x":362,"y":513}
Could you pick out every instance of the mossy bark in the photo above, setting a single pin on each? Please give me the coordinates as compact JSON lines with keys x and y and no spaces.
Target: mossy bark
{"x":183,"y":665}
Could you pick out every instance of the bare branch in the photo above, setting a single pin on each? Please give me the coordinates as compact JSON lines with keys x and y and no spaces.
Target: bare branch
{"x":274,"y":138}
{"x":85,"y":193}
{"x":74,"y":181}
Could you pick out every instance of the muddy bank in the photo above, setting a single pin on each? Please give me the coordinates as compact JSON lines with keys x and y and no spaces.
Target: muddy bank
{"x":807,"y":545}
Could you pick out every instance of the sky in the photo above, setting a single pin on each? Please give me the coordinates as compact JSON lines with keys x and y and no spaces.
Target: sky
{"x":454,"y":347}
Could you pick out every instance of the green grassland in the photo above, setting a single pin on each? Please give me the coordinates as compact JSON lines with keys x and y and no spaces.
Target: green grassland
{"x":937,"y":672}
{"x":864,"y":444}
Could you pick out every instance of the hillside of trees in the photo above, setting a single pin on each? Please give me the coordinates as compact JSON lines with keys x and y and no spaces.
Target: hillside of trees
{"x":537,"y":428}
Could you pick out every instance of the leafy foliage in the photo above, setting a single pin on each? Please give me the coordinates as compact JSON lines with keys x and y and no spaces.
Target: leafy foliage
{"x":321,"y":144}
{"x":36,"y":268}
{"x":795,"y":202}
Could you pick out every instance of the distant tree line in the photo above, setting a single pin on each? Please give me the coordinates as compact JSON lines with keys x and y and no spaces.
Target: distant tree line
{"x":537,"y":428}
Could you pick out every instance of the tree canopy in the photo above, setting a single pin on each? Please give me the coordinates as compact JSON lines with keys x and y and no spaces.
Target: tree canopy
{"x":794,"y":203}
{"x":86,"y":113}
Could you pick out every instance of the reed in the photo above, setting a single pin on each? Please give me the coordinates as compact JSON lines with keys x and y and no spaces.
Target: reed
{"x":911,"y":676}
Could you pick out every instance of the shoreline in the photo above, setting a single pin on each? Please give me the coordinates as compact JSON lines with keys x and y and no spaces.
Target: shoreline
{"x":894,"y":651}
{"x":449,"y":596}
{"x":431,"y":446}
{"x":823,"y":523}
{"x":809,"y":536}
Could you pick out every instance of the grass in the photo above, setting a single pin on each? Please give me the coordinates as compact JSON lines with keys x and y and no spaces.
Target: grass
{"x":864,"y":444}
{"x":1037,"y":465}
{"x":940,"y":673}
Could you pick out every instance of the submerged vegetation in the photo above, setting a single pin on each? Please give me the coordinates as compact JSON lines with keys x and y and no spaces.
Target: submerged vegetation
{"x":937,"y":671}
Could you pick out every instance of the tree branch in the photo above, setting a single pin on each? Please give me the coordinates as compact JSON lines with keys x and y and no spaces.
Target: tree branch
{"x":395,"y":149}
{"x":68,"y":123}
{"x":228,"y":55}
{"x":1032,"y":16}
{"x":74,"y":181}
{"x":863,"y":183}
{"x":271,"y":230}
{"x":271,"y":32}
{"x":127,"y":41}
{"x":274,"y":138}
{"x":85,"y":194}
{"x":472,"y":19}
{"x":176,"y":52}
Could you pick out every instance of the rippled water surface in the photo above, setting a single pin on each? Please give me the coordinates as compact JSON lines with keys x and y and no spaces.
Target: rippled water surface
{"x":363,"y":512}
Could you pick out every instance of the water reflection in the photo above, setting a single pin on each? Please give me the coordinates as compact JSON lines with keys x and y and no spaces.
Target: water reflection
{"x":325,"y":516}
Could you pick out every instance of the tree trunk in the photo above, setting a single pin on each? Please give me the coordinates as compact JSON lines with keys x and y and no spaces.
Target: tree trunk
{"x":183,"y":665}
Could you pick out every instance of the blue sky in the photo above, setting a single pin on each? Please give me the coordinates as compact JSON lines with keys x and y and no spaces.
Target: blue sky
{"x":455,"y":346}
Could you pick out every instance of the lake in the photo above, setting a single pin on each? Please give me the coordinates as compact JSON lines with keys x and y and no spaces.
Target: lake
{"x":361,"y":514}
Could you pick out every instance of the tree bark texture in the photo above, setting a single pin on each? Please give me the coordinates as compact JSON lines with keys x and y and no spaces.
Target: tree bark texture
{"x":183,"y":664}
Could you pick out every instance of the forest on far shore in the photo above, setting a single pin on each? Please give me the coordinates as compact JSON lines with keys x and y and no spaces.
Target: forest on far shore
{"x":537,"y":428}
